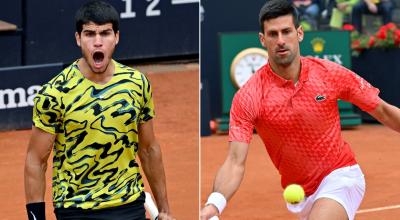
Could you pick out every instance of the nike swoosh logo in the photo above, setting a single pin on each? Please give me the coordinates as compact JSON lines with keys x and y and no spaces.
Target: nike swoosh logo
{"x":34,"y":217}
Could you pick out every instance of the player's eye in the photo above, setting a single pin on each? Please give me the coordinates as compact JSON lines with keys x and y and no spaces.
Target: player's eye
{"x":105,"y":33}
{"x":272,"y":34}
{"x":89,"y":34}
{"x":286,"y":31}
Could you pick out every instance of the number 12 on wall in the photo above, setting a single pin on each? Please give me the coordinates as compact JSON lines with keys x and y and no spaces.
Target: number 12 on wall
{"x":150,"y":10}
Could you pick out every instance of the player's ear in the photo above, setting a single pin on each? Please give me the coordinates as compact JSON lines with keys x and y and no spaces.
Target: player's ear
{"x":300,"y":33}
{"x":117,"y":38}
{"x":78,"y":39}
{"x":262,"y":39}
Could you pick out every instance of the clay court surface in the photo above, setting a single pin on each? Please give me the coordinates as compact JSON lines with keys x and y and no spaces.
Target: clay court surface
{"x":176,"y":96}
{"x":377,"y":150}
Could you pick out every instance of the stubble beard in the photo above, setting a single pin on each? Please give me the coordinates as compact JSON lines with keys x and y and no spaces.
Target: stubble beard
{"x":284,"y":61}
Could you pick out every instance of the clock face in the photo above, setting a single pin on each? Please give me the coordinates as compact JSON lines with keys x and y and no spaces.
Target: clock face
{"x":246,"y":63}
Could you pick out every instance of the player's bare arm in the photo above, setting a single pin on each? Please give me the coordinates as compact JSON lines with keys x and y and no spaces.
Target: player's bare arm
{"x":39,"y":148}
{"x":388,"y":115}
{"x":151,"y":161}
{"x":231,"y":173}
{"x":229,"y":176}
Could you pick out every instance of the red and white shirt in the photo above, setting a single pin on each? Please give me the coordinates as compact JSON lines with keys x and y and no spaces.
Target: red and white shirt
{"x":299,"y":124}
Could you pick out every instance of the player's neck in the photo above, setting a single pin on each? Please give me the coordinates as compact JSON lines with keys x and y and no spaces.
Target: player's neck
{"x":288,"y":72}
{"x":96,"y":77}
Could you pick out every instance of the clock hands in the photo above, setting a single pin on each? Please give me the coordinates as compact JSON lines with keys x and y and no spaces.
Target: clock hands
{"x":252,"y":68}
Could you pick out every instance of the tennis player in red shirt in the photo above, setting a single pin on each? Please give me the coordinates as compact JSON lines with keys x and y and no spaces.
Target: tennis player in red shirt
{"x":292,"y":104}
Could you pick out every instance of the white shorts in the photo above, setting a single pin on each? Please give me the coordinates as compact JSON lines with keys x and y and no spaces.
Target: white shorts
{"x":345,"y":185}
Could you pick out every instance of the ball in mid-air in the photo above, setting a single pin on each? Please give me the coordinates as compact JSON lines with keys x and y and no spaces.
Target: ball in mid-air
{"x":293,"y":194}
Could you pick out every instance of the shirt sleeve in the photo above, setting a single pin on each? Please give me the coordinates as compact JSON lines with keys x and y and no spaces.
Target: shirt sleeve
{"x":47,"y":110}
{"x":147,"y":111}
{"x":242,"y":118}
{"x":356,"y":90}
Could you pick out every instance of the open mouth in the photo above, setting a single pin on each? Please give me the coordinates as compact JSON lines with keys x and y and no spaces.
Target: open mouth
{"x":98,"y":57}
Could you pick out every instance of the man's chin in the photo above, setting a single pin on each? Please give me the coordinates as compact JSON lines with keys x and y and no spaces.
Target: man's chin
{"x":98,"y":70}
{"x":284,"y":61}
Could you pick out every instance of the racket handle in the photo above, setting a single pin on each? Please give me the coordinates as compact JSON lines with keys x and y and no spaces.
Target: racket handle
{"x":151,"y":207}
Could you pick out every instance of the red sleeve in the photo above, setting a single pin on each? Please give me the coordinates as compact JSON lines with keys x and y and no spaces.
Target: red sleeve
{"x":355,"y":89}
{"x":242,"y":117}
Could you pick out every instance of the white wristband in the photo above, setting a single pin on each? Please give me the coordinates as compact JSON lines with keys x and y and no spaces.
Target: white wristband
{"x":218,"y":200}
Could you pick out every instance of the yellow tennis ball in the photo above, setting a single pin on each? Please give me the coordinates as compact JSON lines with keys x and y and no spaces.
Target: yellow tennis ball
{"x":293,"y":193}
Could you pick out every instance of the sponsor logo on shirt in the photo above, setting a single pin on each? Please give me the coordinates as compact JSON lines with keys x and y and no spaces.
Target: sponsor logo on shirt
{"x":320,"y":98}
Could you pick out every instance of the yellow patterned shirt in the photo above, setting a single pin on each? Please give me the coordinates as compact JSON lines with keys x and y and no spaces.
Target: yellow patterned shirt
{"x":96,"y":127}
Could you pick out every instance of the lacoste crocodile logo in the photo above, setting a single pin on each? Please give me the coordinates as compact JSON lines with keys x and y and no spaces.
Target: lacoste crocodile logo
{"x":320,"y":98}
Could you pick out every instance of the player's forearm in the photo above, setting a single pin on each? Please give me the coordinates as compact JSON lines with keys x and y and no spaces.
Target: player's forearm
{"x":228,"y":178}
{"x":151,"y":160}
{"x":38,"y":152}
{"x":35,"y":180}
{"x":390,"y":117}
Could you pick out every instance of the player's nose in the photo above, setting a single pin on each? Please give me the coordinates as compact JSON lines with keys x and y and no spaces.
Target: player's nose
{"x":98,"y":41}
{"x":281,"y":40}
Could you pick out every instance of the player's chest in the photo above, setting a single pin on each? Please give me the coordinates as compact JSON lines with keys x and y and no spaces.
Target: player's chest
{"x":289,"y":105}
{"x":102,"y":105}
